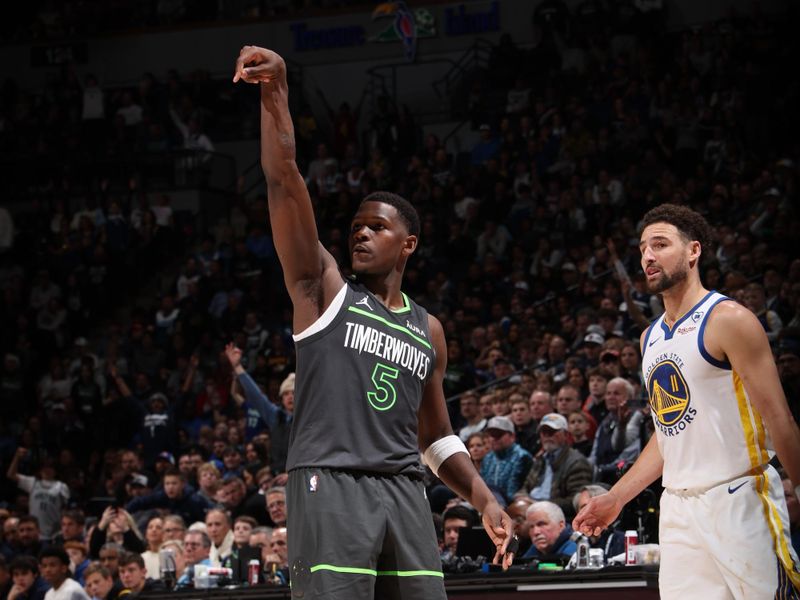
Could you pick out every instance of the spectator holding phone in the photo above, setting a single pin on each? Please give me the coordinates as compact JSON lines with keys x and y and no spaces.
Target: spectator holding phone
{"x":116,"y":525}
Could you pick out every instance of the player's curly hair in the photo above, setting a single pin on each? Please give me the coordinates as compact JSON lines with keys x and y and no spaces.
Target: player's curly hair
{"x":404,"y":208}
{"x":690,"y":224}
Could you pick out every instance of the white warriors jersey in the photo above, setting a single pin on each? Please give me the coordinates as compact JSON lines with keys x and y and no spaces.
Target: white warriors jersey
{"x":707,"y":429}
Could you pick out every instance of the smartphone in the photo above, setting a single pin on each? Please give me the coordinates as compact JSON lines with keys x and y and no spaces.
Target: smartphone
{"x":98,"y":504}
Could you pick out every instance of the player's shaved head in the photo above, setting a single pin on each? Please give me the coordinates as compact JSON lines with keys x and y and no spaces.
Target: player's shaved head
{"x":404,"y":208}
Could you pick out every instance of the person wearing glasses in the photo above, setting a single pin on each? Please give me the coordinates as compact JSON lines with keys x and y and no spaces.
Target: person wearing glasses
{"x":196,"y":549}
{"x":276,"y":505}
{"x":174,"y":528}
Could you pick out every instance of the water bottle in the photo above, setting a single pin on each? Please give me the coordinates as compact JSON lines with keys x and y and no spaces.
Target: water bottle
{"x":582,"y":554}
{"x":166,"y":567}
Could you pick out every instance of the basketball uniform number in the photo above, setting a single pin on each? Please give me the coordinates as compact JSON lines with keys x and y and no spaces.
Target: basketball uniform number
{"x":385,"y":394}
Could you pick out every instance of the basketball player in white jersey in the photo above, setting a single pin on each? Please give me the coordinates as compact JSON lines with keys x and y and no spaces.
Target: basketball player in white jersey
{"x":720,"y":416}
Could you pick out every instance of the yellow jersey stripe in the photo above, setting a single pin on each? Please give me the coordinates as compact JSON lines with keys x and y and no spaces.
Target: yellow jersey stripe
{"x":747,"y":424}
{"x":755,"y":438}
{"x":762,"y":434}
{"x":781,"y":545}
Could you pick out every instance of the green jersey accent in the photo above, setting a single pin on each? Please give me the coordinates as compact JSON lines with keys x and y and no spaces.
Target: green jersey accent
{"x":406,"y":305}
{"x":335,"y":569}
{"x":420,"y":573}
{"x":374,"y":573}
{"x":359,"y":386}
{"x":386,"y":396}
{"x":388,"y":324}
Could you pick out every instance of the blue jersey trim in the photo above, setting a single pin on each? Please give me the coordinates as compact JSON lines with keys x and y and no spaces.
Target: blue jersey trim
{"x":721,"y":364}
{"x":670,"y":331}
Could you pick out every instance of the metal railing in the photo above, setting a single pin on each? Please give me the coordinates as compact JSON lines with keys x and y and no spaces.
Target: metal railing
{"x":383,"y":80}
{"x":476,"y":55}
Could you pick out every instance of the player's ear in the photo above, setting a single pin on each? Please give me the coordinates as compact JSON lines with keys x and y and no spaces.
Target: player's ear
{"x":409,"y":245}
{"x":694,"y":252}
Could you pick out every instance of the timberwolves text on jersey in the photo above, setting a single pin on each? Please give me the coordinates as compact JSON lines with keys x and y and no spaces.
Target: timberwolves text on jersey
{"x":363,"y":338}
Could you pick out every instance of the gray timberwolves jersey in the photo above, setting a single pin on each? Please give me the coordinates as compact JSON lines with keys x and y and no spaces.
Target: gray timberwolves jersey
{"x":361,"y":369}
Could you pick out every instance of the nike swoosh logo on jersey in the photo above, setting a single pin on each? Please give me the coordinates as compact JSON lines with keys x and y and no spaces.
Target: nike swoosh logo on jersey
{"x":733,"y":490}
{"x":650,"y":345}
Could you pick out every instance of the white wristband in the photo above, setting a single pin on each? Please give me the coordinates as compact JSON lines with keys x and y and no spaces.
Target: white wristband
{"x":442,"y":449}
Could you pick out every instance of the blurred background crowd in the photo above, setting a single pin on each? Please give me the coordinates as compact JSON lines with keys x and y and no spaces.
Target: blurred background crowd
{"x":124,"y":425}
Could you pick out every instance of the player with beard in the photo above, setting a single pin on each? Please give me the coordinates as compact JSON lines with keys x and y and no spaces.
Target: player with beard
{"x":369,"y":397}
{"x":720,"y":416}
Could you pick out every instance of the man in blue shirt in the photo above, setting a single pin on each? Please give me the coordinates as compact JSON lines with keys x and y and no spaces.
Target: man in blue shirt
{"x":277,"y":418}
{"x":549,"y":531}
{"x":196,"y":549}
{"x":505,"y":467}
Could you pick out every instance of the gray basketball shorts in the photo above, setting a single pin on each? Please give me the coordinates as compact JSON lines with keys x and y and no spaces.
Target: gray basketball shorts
{"x":359,"y":536}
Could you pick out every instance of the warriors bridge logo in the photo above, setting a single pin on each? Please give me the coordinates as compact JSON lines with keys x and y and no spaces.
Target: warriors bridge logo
{"x":670,"y":398}
{"x":406,"y":26}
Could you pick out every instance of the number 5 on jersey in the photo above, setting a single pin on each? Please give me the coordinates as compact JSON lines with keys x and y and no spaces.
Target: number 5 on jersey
{"x":385,"y":395}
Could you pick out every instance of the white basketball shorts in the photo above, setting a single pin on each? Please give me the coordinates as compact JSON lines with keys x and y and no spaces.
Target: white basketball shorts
{"x":730,"y":541}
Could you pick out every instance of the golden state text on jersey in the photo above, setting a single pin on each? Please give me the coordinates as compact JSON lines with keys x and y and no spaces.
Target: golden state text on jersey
{"x":669,"y":395}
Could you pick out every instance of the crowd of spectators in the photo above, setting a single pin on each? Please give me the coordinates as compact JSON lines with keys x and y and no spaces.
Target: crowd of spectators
{"x":91,"y":121}
{"x":168,"y":429}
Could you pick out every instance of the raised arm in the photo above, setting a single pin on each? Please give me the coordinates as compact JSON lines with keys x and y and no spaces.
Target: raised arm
{"x":234,"y":356}
{"x":237,"y":397}
{"x":176,"y":119}
{"x":268,"y":411}
{"x":635,"y":313}
{"x":310,"y":272}
{"x":13,"y":467}
{"x":123,"y":388}
{"x":191,"y":371}
{"x":457,"y":470}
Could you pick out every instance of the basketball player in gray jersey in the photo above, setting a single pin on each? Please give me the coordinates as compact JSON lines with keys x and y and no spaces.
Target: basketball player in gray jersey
{"x":370,"y":364}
